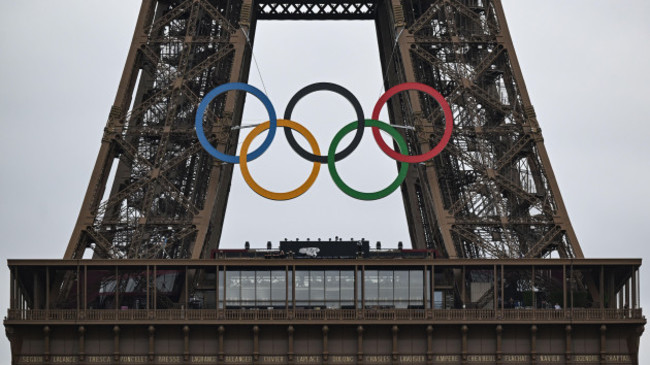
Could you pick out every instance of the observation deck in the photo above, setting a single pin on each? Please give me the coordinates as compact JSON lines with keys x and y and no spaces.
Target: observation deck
{"x":379,"y":307}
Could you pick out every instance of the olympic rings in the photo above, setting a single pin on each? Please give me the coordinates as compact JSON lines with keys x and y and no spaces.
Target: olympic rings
{"x":198,"y":121}
{"x":355,"y":193}
{"x":332,"y":157}
{"x":269,"y":194}
{"x":339,"y":90}
{"x":449,"y":122}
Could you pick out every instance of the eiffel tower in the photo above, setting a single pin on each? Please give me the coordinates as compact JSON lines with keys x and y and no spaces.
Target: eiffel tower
{"x":485,"y":216}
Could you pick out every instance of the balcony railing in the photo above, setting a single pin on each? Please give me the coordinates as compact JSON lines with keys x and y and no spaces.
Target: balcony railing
{"x":441,"y":315}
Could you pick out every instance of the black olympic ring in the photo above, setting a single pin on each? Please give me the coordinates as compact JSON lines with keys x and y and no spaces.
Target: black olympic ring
{"x":341,"y":91}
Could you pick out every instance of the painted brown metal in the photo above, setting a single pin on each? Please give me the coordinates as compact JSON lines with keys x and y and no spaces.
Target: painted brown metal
{"x":65,"y":332}
{"x":491,"y":194}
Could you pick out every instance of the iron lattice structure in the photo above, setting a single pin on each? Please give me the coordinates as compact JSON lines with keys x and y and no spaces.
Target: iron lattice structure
{"x":490,"y":193}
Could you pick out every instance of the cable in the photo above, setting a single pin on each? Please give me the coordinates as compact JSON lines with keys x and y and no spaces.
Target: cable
{"x":257,"y":66}
{"x":388,"y":62}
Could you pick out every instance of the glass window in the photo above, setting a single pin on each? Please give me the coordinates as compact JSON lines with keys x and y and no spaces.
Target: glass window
{"x":291,"y":285}
{"x":233,"y":287}
{"x":248,"y":288}
{"x":427,"y":288}
{"x":221,"y":289}
{"x":332,"y":288}
{"x":371,"y":286}
{"x":317,"y":287}
{"x":385,"y":287}
{"x":347,"y":289}
{"x":437,"y":300}
{"x":263,"y":288}
{"x":401,"y":283}
{"x":302,"y":288}
{"x":360,"y":288}
{"x":416,"y":288}
{"x":278,"y":287}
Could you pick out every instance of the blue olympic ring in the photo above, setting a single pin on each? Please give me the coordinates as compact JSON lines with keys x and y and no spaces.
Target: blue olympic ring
{"x":198,"y":122}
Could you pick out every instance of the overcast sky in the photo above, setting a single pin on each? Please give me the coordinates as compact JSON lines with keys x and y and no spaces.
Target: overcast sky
{"x":584,"y":61}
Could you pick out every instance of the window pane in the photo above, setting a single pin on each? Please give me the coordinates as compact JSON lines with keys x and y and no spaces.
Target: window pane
{"x":317,"y":286}
{"x":371,"y":282}
{"x":360,"y":288}
{"x":248,"y":288}
{"x":386,"y":287}
{"x":233,"y":287}
{"x":416,"y":287}
{"x":427,"y":289}
{"x":278,"y":286}
{"x":302,"y":288}
{"x":332,"y":286}
{"x":263,"y":288}
{"x":401,"y":283}
{"x":221,"y":288}
{"x":291,"y":285}
{"x":347,"y":286}
{"x":437,"y":300}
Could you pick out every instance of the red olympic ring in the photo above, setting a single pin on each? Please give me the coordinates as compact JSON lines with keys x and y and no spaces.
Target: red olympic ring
{"x":449,"y":122}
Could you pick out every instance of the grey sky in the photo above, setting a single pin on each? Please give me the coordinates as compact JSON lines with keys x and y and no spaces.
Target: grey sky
{"x":584,"y":63}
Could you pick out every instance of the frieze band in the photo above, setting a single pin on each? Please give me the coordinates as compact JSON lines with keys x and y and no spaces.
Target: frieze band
{"x":332,"y":359}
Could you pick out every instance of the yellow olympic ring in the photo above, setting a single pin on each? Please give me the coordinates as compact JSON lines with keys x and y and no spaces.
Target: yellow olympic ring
{"x":270,"y":194}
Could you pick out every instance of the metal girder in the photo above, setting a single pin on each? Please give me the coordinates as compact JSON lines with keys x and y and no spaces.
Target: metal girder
{"x":164,"y":178}
{"x":316,"y":10}
{"x":491,"y":191}
{"x":494,"y":171}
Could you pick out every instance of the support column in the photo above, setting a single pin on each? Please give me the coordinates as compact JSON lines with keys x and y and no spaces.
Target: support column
{"x":116,"y":343}
{"x":463,"y":331}
{"x":360,"y":345}
{"x":46,"y":342}
{"x":82,"y":343}
{"x":499,"y":343}
{"x":221,"y":331}
{"x":395,"y":354}
{"x":152,"y":333}
{"x":37,"y":292}
{"x":325,"y":351}
{"x":256,"y":344}
{"x":290,"y":331}
{"x":429,"y":344}
{"x":603,"y":344}
{"x":564,"y":295}
{"x":634,"y":294}
{"x":533,"y":344}
{"x":186,"y":342}
{"x":568,"y":343}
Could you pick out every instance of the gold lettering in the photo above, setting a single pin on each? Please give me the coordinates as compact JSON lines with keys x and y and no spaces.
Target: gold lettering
{"x":99,"y":359}
{"x":31,"y":359}
{"x":617,"y":358}
{"x":169,"y":359}
{"x":133,"y":359}
{"x":63,"y":359}
{"x":239,"y":359}
{"x":378,"y":358}
{"x":408,"y":359}
{"x":549,"y":358}
{"x":447,"y":358}
{"x":307,"y":359}
{"x":273,"y":359}
{"x":480,"y":358}
{"x":343,"y":359}
{"x":515,"y":358}
{"x":585,"y":358}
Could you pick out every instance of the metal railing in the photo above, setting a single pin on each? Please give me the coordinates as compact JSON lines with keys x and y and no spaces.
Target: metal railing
{"x":369,"y":314}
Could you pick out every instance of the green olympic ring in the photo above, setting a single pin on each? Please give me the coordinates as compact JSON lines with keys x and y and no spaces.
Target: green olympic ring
{"x":404,"y":166}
